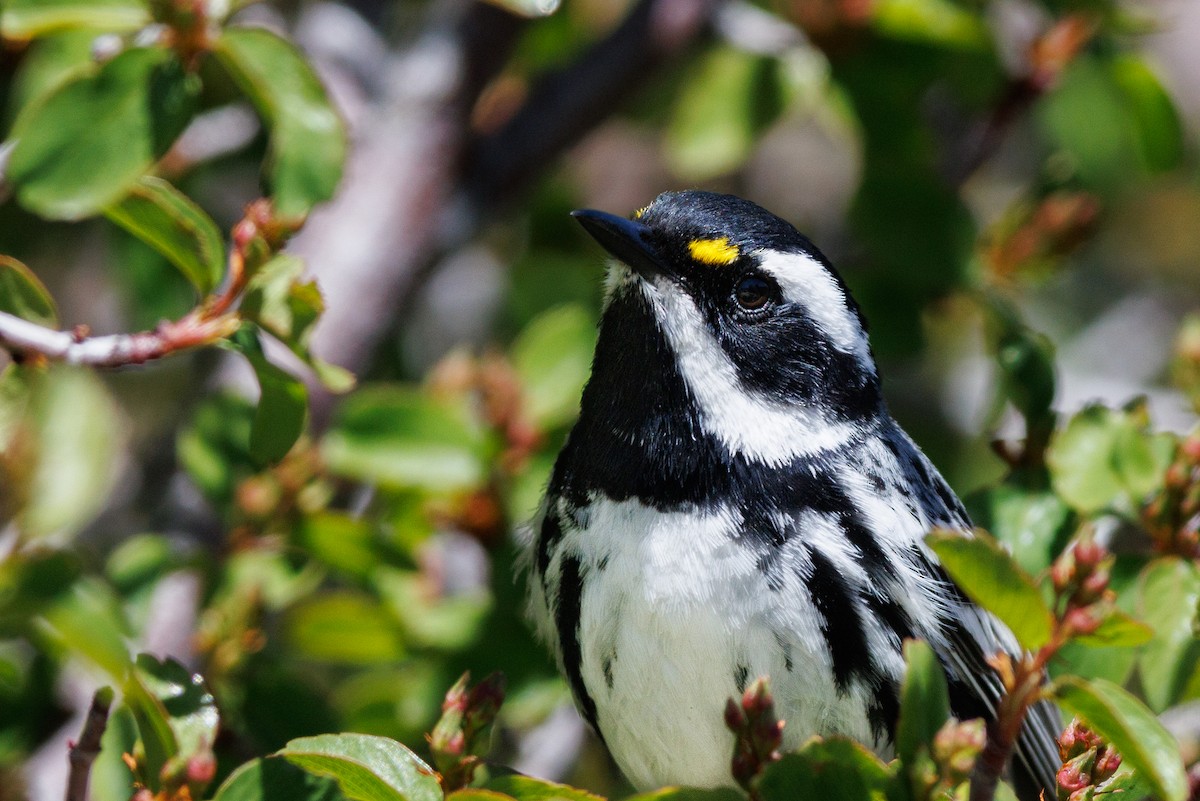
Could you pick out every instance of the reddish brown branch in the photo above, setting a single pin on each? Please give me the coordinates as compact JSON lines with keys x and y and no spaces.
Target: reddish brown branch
{"x":84,"y":752}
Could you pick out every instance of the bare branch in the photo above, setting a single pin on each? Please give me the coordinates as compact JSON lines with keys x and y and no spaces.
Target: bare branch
{"x":84,"y":752}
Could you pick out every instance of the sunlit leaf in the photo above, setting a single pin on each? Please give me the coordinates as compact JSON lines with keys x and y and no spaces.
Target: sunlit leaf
{"x":722,"y":108}
{"x":50,"y":62}
{"x":23,"y":294}
{"x":993,"y":580}
{"x":88,"y":142}
{"x":282,"y":403}
{"x":553,"y":357}
{"x":398,"y":437}
{"x":1118,"y":629}
{"x":939,"y":21}
{"x":1170,"y":604}
{"x":527,"y":788}
{"x":168,"y":221}
{"x":339,"y":540}
{"x":308,"y":140}
{"x":833,"y":769}
{"x":446,"y":622}
{"x":343,"y":627}
{"x":175,"y":714}
{"x":276,"y":780}
{"x":23,"y":19}
{"x":924,"y":701}
{"x":1157,"y":129}
{"x":1124,"y":721}
{"x":88,"y":621}
{"x":366,"y":768}
{"x":1034,"y":524}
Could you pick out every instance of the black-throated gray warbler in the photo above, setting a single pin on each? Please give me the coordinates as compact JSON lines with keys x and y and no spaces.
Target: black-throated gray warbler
{"x":735,"y":501}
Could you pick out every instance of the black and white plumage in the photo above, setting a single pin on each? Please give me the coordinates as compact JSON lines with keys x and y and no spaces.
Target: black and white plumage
{"x":736,"y":501}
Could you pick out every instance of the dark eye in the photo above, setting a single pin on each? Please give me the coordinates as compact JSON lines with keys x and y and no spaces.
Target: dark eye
{"x":752,"y":293}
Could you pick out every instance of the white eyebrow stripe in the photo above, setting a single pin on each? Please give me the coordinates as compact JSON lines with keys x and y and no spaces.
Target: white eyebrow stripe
{"x":807,"y":282}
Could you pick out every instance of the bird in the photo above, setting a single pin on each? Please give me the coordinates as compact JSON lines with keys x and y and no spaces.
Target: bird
{"x":735,"y":500}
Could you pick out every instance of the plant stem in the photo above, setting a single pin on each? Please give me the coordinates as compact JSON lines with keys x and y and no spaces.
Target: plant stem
{"x":84,"y":752}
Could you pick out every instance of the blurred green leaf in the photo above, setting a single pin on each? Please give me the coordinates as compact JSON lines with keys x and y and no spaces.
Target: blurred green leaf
{"x":366,"y":768}
{"x":1113,"y":664}
{"x":1118,"y":629}
{"x":527,"y":788}
{"x":27,"y":19}
{"x":277,"y":300}
{"x":1170,"y":604}
{"x":924,"y":702}
{"x":1106,"y":459}
{"x":941,"y":22}
{"x":175,"y":714}
{"x":723,"y":107}
{"x":343,"y":542}
{"x":400,"y":702}
{"x":308,"y":140}
{"x":1157,"y":129}
{"x":48,"y":63}
{"x":89,"y":141}
{"x":833,"y":769}
{"x":343,"y":627}
{"x":282,"y":403}
{"x":30,"y":580}
{"x":1033,"y":524}
{"x":78,"y":439}
{"x":23,"y":294}
{"x":398,"y":437}
{"x":214,"y":448}
{"x":138,"y":560}
{"x":689,"y":794}
{"x":87,"y":621}
{"x":553,"y":358}
{"x":447,"y":622}
{"x":168,"y":221}
{"x":477,"y":794}
{"x":994,"y":581}
{"x":1133,"y":730}
{"x":1026,"y":361}
{"x":276,"y":780}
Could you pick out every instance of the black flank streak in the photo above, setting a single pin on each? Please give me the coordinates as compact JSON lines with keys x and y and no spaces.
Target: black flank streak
{"x":607,"y":667}
{"x":883,"y":711}
{"x":786,"y":647}
{"x":841,"y":621}
{"x":741,"y":677}
{"x":566,"y":619}
{"x":548,"y":538}
{"x":602,"y":565}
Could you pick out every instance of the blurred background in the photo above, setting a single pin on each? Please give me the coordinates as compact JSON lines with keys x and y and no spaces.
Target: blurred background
{"x":1010,"y":189}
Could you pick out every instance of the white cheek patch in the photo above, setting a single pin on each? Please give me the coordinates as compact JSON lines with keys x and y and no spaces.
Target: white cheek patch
{"x":746,"y":422}
{"x":805,"y":281}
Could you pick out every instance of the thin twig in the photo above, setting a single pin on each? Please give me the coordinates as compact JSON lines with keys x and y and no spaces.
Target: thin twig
{"x":84,"y":752}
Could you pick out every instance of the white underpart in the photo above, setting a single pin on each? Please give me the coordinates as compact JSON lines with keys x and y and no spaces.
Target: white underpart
{"x":807,"y":282}
{"x":677,"y":609}
{"x":746,"y":422}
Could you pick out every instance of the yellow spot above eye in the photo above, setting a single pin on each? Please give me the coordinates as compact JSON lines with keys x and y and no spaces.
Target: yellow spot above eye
{"x":716,"y":252}
{"x":637,"y":215}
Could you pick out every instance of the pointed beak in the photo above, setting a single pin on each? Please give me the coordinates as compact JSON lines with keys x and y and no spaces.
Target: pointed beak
{"x":627,"y":240}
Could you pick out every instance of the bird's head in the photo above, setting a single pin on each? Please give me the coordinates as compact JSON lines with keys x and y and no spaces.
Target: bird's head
{"x":762,"y":329}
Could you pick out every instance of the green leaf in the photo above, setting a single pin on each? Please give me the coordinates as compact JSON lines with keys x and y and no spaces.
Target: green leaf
{"x":475,"y":794}
{"x":1033,"y":524}
{"x":990,"y":577}
{"x":1107,"y":459}
{"x":1170,"y":604}
{"x":343,"y":542}
{"x":1157,"y":129}
{"x":940,"y":22}
{"x":924,"y":702}
{"x":88,"y":621}
{"x":1026,"y":361}
{"x":214,"y":448}
{"x":49,"y":63}
{"x":832,"y":769}
{"x":689,"y":794}
{"x":276,"y":780}
{"x":1124,"y":721}
{"x":282,"y":403}
{"x":23,"y":294}
{"x":308,"y":140}
{"x":366,"y":768}
{"x":27,"y":19}
{"x":168,"y":221}
{"x":32,"y":579}
{"x":77,"y":436}
{"x":722,"y":108}
{"x":343,"y":627}
{"x":190,"y":713}
{"x":89,"y":141}
{"x":400,"y":438}
{"x":1118,"y":629}
{"x":451,"y":622}
{"x":553,"y":358}
{"x":527,"y":788}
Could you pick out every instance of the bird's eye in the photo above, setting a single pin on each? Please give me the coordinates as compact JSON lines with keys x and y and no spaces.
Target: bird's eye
{"x":752,"y":293}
